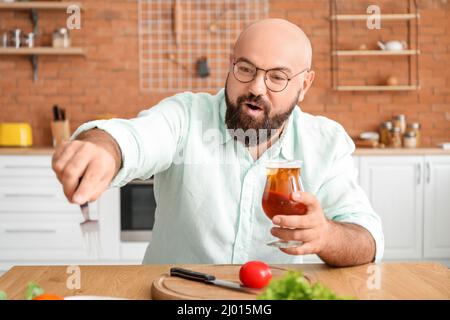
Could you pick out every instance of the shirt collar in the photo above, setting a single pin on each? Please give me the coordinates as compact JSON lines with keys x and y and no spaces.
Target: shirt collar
{"x":286,"y":139}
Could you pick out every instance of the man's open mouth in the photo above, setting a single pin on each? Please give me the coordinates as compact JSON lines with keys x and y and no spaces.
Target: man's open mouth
{"x":252,"y":105}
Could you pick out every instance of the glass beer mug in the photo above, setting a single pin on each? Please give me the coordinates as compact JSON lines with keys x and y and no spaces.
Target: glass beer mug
{"x":283,"y":178}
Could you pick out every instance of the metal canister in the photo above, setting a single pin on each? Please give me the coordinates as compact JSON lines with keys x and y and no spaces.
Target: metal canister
{"x":400,"y":122}
{"x":384,"y":129}
{"x":395,"y":138}
{"x":415,"y":126}
{"x":410,"y":139}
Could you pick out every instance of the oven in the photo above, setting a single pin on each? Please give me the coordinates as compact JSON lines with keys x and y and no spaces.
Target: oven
{"x":137,"y":210}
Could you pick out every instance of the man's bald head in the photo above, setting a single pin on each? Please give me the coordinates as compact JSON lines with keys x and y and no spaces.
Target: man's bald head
{"x":275,"y":39}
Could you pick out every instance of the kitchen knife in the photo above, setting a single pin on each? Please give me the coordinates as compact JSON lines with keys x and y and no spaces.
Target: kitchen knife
{"x":210,"y":279}
{"x":56,"y":113}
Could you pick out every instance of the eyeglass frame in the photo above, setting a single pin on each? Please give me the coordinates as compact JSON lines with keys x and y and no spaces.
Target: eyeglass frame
{"x":265,"y":75}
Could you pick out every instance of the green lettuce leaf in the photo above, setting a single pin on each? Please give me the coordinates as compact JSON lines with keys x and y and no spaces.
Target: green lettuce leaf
{"x":33,"y":291}
{"x":294,"y":286}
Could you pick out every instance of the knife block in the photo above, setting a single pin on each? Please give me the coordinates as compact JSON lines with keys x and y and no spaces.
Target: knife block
{"x":60,"y":131}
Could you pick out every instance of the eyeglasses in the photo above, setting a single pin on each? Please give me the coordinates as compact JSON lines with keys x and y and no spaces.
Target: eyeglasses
{"x":275,"y":79}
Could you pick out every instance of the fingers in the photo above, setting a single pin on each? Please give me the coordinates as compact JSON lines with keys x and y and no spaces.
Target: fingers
{"x":305,"y":221}
{"x":293,"y":234}
{"x":308,"y":199}
{"x":295,"y":221}
{"x":306,"y":248}
{"x":72,"y":172}
{"x":62,"y":155}
{"x":91,"y":186}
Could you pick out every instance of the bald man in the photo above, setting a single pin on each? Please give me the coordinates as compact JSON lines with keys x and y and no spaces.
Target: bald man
{"x":208,"y":155}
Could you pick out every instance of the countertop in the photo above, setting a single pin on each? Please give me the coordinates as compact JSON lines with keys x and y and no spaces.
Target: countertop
{"x":426,"y":280}
{"x":358,"y":152}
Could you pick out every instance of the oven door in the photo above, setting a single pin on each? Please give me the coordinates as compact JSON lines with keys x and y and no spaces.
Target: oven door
{"x":137,"y":210}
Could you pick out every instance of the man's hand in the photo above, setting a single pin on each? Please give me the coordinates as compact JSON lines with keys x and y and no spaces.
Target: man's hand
{"x":86,"y":166}
{"x":312,"y":228}
{"x":338,"y":244}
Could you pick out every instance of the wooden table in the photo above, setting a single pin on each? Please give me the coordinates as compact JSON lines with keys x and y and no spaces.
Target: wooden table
{"x":397,"y":280}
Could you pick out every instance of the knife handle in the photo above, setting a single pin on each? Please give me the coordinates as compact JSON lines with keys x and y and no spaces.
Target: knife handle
{"x":191,"y":275}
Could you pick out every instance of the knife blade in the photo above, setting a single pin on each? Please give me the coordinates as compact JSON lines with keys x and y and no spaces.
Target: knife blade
{"x":210,"y":279}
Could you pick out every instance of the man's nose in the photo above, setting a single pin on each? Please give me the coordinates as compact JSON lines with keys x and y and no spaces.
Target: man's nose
{"x":258,"y":86}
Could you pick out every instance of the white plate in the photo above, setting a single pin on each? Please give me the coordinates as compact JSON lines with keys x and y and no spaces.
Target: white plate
{"x":92,"y":298}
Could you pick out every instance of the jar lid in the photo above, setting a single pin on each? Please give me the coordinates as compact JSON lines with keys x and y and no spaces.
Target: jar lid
{"x":410,"y":134}
{"x":400,"y":117}
{"x":396,"y":129}
{"x":386,"y":124}
{"x":414,"y":125}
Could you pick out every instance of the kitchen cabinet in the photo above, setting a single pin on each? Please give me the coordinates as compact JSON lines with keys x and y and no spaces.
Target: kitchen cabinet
{"x":37,"y":223}
{"x":394,"y":186}
{"x":437,"y":207}
{"x":410,"y":193}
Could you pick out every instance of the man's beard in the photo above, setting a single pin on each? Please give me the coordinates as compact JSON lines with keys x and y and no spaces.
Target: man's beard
{"x":249,"y":130}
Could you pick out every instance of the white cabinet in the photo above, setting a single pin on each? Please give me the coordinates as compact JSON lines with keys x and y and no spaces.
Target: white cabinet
{"x":394,"y":186}
{"x":37,"y":223}
{"x":411,"y":195}
{"x":437,"y":207}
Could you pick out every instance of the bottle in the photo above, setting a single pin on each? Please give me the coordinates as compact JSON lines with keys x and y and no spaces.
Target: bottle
{"x":384,"y":129}
{"x":400,"y":122}
{"x":415,"y":126}
{"x":395,"y":138}
{"x":410,"y":139}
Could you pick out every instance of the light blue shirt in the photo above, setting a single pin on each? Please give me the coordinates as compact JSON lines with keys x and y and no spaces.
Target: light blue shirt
{"x":208,"y":188}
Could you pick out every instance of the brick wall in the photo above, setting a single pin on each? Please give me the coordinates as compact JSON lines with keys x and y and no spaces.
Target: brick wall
{"x":106,"y":81}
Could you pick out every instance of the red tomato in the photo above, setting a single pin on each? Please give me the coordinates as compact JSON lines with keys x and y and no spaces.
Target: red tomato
{"x":255,"y":274}
{"x":48,"y":296}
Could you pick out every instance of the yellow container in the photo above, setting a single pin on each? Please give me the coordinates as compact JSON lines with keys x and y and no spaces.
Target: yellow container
{"x":15,"y":134}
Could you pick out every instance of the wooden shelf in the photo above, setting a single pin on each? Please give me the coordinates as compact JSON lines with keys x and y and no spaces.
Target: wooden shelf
{"x":42,"y":51}
{"x":38,"y":5}
{"x":377,"y":88}
{"x":375,"y":53}
{"x":354,"y":17}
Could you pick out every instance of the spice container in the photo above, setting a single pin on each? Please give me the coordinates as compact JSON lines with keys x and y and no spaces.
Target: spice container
{"x":384,"y":129}
{"x":410,"y":139}
{"x":415,"y":126}
{"x":400,"y":122}
{"x":61,"y":38}
{"x":395,"y":138}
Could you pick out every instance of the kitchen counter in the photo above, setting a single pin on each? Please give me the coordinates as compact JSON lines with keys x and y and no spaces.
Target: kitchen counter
{"x":400,"y":151}
{"x":358,"y":152}
{"x":27,"y":151}
{"x":397,"y":280}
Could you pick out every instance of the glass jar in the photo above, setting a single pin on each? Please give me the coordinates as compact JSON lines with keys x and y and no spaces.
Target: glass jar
{"x":410,"y":139}
{"x":61,"y":38}
{"x":415,"y":126}
{"x":395,"y":138}
{"x":384,"y":129}
{"x":400,"y":122}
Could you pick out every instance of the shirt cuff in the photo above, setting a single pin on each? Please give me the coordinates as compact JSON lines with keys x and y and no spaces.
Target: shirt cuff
{"x":126,"y":145}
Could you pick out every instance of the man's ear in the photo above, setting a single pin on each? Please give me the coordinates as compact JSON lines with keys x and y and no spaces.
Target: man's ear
{"x":307,"y":82}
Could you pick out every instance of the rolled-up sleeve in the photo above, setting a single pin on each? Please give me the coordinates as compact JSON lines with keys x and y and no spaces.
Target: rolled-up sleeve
{"x":342,"y":198}
{"x":149,"y":142}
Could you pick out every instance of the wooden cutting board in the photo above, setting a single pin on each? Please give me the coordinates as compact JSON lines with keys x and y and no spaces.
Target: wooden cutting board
{"x":166,"y":287}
